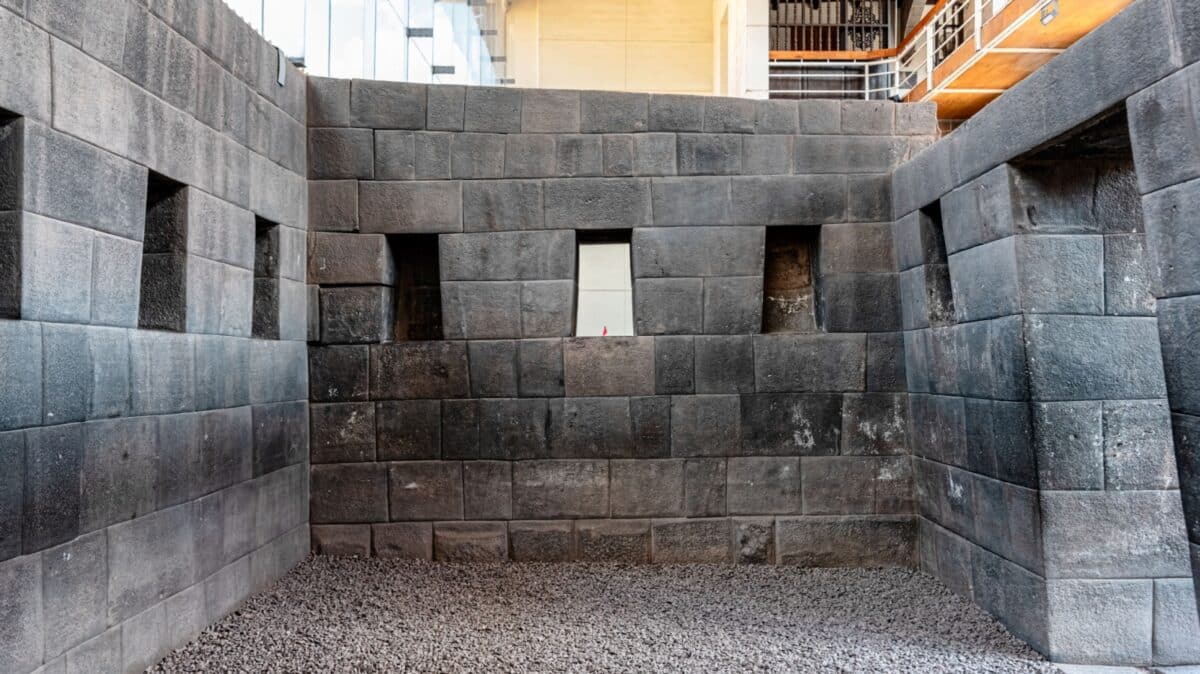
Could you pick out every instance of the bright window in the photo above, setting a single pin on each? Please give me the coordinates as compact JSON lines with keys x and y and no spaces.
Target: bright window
{"x":605,"y":304}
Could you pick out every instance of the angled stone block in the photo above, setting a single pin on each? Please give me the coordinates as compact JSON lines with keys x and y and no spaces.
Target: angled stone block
{"x":1104,"y":535}
{"x":1128,"y":282}
{"x":357,"y":314}
{"x":1100,"y":621}
{"x":149,"y":558}
{"x":1085,"y":358}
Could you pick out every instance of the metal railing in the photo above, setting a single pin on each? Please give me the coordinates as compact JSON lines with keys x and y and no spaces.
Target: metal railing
{"x":887,"y":73}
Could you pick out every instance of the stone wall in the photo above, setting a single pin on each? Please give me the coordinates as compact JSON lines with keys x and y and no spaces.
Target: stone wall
{"x":699,"y":439}
{"x":149,"y":479}
{"x":1047,"y":480}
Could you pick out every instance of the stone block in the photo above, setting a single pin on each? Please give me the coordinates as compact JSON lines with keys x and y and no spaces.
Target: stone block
{"x":1105,"y":534}
{"x":589,"y":428}
{"x":541,"y":541}
{"x":477,"y":155}
{"x":540,"y":367}
{"x":674,"y":361}
{"x":869,"y":118}
{"x":377,"y":104}
{"x":860,"y":302}
{"x":651,"y":417}
{"x":508,"y":256}
{"x":599,"y":203}
{"x":67,"y":372}
{"x":654,"y":154}
{"x":120,"y":471}
{"x":647,"y":488}
{"x":328,"y":101}
{"x":12,"y":493}
{"x":357,"y":314}
{"x":425,"y":490}
{"x":143,"y":638}
{"x":492,"y":109}
{"x":22,"y":368}
{"x":103,"y":652}
{"x":1176,"y":639}
{"x":706,"y":425}
{"x":342,"y":432}
{"x":350,"y":259}
{"x":1188,"y":460}
{"x":692,"y":541}
{"x":1165,"y":147}
{"x":983,"y":210}
{"x":729,"y":115}
{"x":917,"y":240}
{"x":431,"y":155}
{"x":763,"y":485}
{"x":445,"y":107}
{"x":473,"y":542}
{"x":838,"y":485}
{"x":676,"y":113}
{"x":804,"y":363}
{"x":419,"y":370}
{"x":21,"y":634}
{"x":341,"y":154}
{"x":846,"y":541}
{"x":487,"y":490}
{"x":885,"y":362}
{"x":494,"y":369}
{"x":619,"y":154}
{"x":943,"y":423}
{"x":1061,"y":274}
{"x":733,"y":305}
{"x":560,"y":489}
{"x":499,"y":205}
{"x":1171,"y":241}
{"x":857,"y":248}
{"x":349,"y":493}
{"x":56,"y":274}
{"x":709,"y":154}
{"x":53,"y":462}
{"x":612,"y":112}
{"x":704,"y":487}
{"x":333,"y":205}
{"x":511,"y":428}
{"x":1109,"y":622}
{"x":668,"y":306}
{"x":766,"y":155}
{"x":1178,"y":326}
{"x":339,"y":373}
{"x":605,"y":366}
{"x":403,"y":540}
{"x":529,"y":155}
{"x":820,"y":117}
{"x":916,"y":119}
{"x":1128,"y":282}
{"x":115,"y":281}
{"x":74,"y":599}
{"x":149,"y":558}
{"x":578,"y":156}
{"x":986,"y":281}
{"x":624,"y":541}
{"x":1069,"y":440}
{"x":1087,"y":357}
{"x":481,"y":309}
{"x":408,"y":429}
{"x":724,"y":364}
{"x":409,"y":207}
{"x":776,"y":117}
{"x":690,"y":201}
{"x":395,"y":155}
{"x":789,"y":200}
{"x":341,"y":540}
{"x":847,"y":154}
{"x":550,"y":111}
{"x":699,"y":251}
{"x":874,"y":424}
{"x":224,"y":437}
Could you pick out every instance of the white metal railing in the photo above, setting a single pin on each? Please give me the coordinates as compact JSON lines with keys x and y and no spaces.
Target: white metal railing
{"x":954,"y":24}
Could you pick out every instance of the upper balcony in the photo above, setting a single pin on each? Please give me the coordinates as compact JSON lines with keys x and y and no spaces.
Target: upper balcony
{"x":960,"y":54}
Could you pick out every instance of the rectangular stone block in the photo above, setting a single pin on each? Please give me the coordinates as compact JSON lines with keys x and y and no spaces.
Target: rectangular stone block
{"x":789,"y":200}
{"x":408,"y":207}
{"x":847,"y":541}
{"x":1171,"y":242}
{"x":733,"y":305}
{"x":1105,"y":534}
{"x":487,"y":490}
{"x":350,"y":259}
{"x":724,"y":364}
{"x":647,"y":488}
{"x":341,"y":154}
{"x":540,"y":367}
{"x":493,"y":109}
{"x":1128,"y":282}
{"x":776,"y":117}
{"x":674,"y":360}
{"x":692,"y":541}
{"x":654,"y":154}
{"x":53,"y":462}
{"x":806,"y":363}
{"x":550,"y":111}
{"x":477,"y":155}
{"x":22,"y":636}
{"x":511,"y":428}
{"x":341,"y":540}
{"x":349,"y":493}
{"x":333,"y":205}
{"x":339,"y":373}
{"x":729,"y":115}
{"x":604,"y":366}
{"x":983,"y":210}
{"x":599,"y":203}
{"x":120,"y":471}
{"x":431,"y":155}
{"x":589,"y":428}
{"x":676,"y":113}
{"x":838,"y":485}
{"x":706,"y":425}
{"x":328,"y":101}
{"x":1061,"y":274}
{"x":499,"y":205}
{"x":560,"y":489}
{"x":403,"y":540}
{"x":547,"y":541}
{"x":507,"y":256}
{"x":691,"y":201}
{"x":395,"y":155}
{"x":651,"y":418}
{"x":885,"y":362}
{"x":1100,"y":621}
{"x":21,"y":368}
{"x":74,"y":581}
{"x":1086,"y":357}
{"x":1068,"y":438}
{"x":445,"y":107}
{"x":162,"y":372}
{"x":376,"y":104}
{"x":860,"y":302}
{"x":704,"y":487}
{"x":494,"y":368}
{"x":766,"y":154}
{"x":619,"y":154}
{"x":149,"y":558}
{"x":481,"y":309}
{"x":425,"y":490}
{"x":56,"y":270}
{"x":763,"y":485}
{"x":709,"y":154}
{"x":419,"y":370}
{"x":529,"y":155}
{"x":624,"y":541}
{"x":848,"y":154}
{"x":342,"y":432}
{"x":613,"y":112}
{"x":668,"y":306}
{"x":577,"y":156}
{"x":1176,"y":628}
{"x":357,"y":314}
{"x":874,"y":424}
{"x":699,"y":251}
{"x":408,"y":429}
{"x":116,"y":281}
{"x":470,"y":542}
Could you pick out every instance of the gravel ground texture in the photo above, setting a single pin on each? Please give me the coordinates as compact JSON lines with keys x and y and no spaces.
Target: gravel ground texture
{"x":371,"y":615}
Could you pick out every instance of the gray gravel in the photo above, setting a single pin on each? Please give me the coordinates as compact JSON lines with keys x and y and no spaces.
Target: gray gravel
{"x":352,"y":615}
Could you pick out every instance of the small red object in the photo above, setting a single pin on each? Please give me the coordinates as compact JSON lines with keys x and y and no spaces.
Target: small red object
{"x":604,"y":332}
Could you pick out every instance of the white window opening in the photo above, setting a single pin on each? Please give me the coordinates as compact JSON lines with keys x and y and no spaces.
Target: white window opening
{"x":605,"y":306}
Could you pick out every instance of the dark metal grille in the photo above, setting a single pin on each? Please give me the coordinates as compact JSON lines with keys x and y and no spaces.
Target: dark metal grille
{"x":831,"y":25}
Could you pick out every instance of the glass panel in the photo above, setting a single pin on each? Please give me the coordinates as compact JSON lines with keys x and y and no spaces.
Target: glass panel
{"x":316,"y":38}
{"x":283,"y":25}
{"x":391,"y":40}
{"x":347,"y":41}
{"x":605,"y":290}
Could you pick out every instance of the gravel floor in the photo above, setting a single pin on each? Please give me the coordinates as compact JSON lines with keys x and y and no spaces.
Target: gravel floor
{"x":345,"y":614}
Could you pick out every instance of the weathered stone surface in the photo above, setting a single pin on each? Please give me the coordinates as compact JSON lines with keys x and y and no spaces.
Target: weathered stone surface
{"x":341,"y":154}
{"x":647,"y":488}
{"x":1103,"y":534}
{"x":547,"y":541}
{"x":529,"y":155}
{"x":445,"y":107}
{"x":493,"y":109}
{"x":419,"y":370}
{"x":809,"y":362}
{"x":753,"y":540}
{"x":425,"y":490}
{"x":709,"y":154}
{"x":874,"y":424}
{"x":763,"y":485}
{"x":1086,"y":357}
{"x":470,"y":542}
{"x":487,"y":490}
{"x":349,"y":493}
{"x":342,"y":540}
{"x":1176,"y":639}
{"x":119,"y":471}
{"x":704,"y":425}
{"x":550,"y":111}
{"x":605,"y":366}
{"x":692,"y":541}
{"x":674,"y":361}
{"x":22,"y":635}
{"x":540,"y":367}
{"x":477,"y":155}
{"x":378,"y":104}
{"x":512,"y":428}
{"x":651,"y":417}
{"x":599,"y":203}
{"x":402,"y":540}
{"x":626,"y":541}
{"x":357,"y":314}
{"x":605,"y":112}
{"x":668,"y":306}
{"x":499,"y":205}
{"x":558,"y":489}
{"x":589,"y":428}
{"x":691,"y":201}
{"x":1100,"y":621}
{"x":846,"y":541}
{"x":494,"y":368}
{"x":676,"y":113}
{"x":53,"y":461}
{"x":408,"y":429}
{"x":482,"y":310}
{"x":339,"y":373}
{"x":74,"y":597}
{"x":733,"y":305}
{"x":547,"y":308}
{"x":407,"y":207}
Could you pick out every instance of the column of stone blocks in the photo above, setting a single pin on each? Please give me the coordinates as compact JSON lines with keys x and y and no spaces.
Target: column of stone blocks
{"x":512,"y":439}
{"x":149,"y":480}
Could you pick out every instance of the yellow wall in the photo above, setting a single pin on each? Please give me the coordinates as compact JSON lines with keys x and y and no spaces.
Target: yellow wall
{"x":663,"y":46}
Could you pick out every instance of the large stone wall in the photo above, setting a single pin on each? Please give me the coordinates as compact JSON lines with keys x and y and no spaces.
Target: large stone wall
{"x":699,"y":439}
{"x":1048,"y":483}
{"x":150,"y":480}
